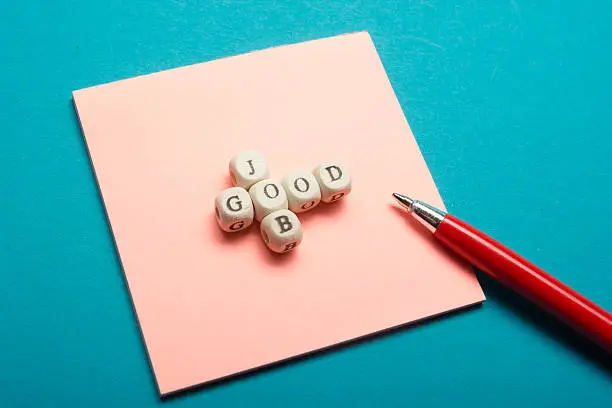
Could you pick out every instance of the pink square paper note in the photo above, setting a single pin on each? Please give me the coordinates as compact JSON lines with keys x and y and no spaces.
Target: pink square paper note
{"x":211,"y":304}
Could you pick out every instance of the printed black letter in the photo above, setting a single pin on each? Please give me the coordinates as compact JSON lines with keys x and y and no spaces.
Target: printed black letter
{"x":308,"y":205}
{"x":252,"y":168}
{"x":289,"y":246}
{"x":336,"y":197}
{"x":297,"y":186}
{"x":276,"y":192}
{"x":237,"y":225}
{"x":331,"y":174}
{"x":237,"y":201}
{"x":284,"y":223}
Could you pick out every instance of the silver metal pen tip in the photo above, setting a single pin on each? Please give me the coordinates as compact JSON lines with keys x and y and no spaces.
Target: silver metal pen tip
{"x":404,"y":200}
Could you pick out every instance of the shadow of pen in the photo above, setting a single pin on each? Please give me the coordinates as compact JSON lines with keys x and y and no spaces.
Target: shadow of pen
{"x":526,"y":310}
{"x":531,"y":314}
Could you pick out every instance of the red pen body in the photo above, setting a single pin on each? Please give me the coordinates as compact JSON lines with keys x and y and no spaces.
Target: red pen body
{"x":526,"y":279}
{"x":515,"y":272}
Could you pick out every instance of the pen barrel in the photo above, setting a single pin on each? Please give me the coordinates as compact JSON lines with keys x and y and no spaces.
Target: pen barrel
{"x":527,"y":279}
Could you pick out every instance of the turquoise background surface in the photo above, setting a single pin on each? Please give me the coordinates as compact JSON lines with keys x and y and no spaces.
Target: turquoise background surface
{"x":509,"y":101}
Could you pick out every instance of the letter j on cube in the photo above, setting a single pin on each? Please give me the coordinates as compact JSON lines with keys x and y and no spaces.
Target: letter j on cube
{"x":247,"y":168}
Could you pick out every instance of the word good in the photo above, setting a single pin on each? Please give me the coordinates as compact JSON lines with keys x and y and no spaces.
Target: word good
{"x":274,"y":204}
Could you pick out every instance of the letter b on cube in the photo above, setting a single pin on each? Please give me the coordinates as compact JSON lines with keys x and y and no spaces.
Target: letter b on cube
{"x":281,"y":231}
{"x":234,"y":209}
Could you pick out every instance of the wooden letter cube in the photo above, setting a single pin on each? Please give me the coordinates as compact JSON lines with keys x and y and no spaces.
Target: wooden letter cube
{"x":281,"y":231}
{"x":247,"y":168}
{"x":334,"y":180}
{"x":268,"y":196}
{"x":234,"y":209}
{"x":303,"y":192}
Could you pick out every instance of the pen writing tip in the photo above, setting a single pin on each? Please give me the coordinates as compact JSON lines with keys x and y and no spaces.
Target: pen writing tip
{"x":404,"y":200}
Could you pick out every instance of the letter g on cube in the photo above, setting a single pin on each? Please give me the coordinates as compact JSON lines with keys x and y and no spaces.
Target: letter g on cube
{"x":234,"y":209}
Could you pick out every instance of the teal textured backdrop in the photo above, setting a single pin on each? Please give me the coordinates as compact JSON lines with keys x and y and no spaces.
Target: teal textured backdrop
{"x":509,"y":101}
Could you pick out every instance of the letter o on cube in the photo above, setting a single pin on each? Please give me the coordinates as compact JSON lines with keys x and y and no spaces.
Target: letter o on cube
{"x":334,"y":180}
{"x":303,"y":192}
{"x":234,"y":209}
{"x":281,"y":231}
{"x":268,"y":196}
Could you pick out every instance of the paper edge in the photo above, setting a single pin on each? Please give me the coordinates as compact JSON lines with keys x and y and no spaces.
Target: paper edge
{"x":464,"y":308}
{"x":228,"y":57}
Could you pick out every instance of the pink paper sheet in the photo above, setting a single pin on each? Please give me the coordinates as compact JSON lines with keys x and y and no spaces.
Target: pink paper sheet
{"x":211,"y":304}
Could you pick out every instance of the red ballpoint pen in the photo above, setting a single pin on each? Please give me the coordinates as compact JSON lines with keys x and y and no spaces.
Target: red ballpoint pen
{"x":515,"y":272}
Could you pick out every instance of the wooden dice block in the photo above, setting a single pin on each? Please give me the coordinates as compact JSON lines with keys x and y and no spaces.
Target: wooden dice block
{"x":303,"y":192}
{"x":247,"y":168}
{"x":234,"y":209}
{"x":268,"y":196}
{"x":334,"y":181}
{"x":281,"y":231}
